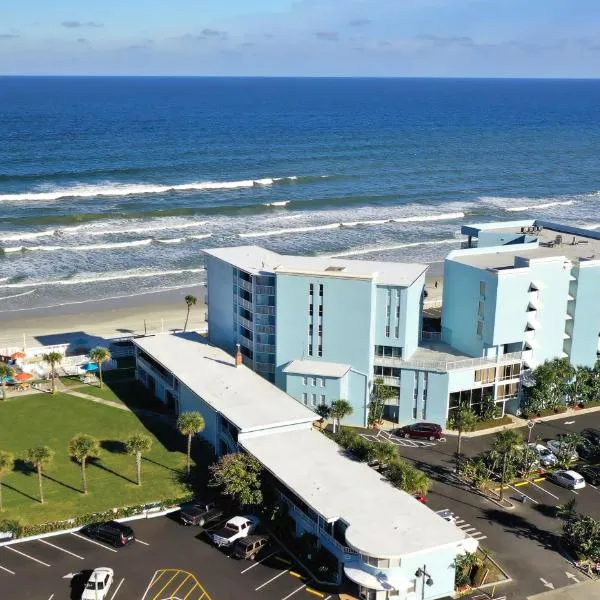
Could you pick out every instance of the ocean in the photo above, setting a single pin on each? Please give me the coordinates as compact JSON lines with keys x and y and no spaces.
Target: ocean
{"x":111,"y":187}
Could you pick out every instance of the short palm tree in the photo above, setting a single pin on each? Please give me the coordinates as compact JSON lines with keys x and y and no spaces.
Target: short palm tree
{"x":189,"y":424}
{"x":5,"y":372}
{"x":323,"y":411}
{"x":100,"y":355}
{"x":7,"y":464}
{"x":82,"y":447}
{"x":39,"y":458}
{"x":190,"y":301}
{"x":339,"y":410}
{"x":53,"y":359}
{"x":462,"y":419}
{"x":506,"y":445}
{"x":136,"y":445}
{"x":384,"y":453}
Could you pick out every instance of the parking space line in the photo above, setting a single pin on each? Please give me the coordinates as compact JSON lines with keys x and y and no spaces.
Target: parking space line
{"x":61,"y":549}
{"x":142,"y":542}
{"x":7,"y":570}
{"x":37,"y":560}
{"x":539,"y":487}
{"x":51,"y":597}
{"x":328,"y":597}
{"x":174,"y":593}
{"x":523,"y":494}
{"x":283,"y":560}
{"x":93,"y":542}
{"x":164,"y":587}
{"x":576,"y":493}
{"x":294,"y":592}
{"x":470,"y":529}
{"x":262,"y":585}
{"x":152,"y":581}
{"x":118,"y":587}
{"x":258,"y":562}
{"x":315,"y":592}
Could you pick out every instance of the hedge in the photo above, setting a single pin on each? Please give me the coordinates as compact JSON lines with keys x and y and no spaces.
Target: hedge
{"x":19,"y":529}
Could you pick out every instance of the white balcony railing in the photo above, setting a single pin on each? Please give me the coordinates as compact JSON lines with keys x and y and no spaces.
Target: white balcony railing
{"x":245,"y":304}
{"x":511,"y":357}
{"x":245,"y":285}
{"x":245,"y":323}
{"x":388,"y":361}
{"x":393,"y":381}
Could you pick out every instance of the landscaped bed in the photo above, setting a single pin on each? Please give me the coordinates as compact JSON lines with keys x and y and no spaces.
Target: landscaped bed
{"x":52,"y":421}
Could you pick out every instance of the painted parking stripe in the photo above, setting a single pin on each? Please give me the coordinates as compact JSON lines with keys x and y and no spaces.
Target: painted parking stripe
{"x":61,"y":549}
{"x":539,"y":487}
{"x":294,"y":592}
{"x":270,"y":580}
{"x":258,"y":562}
{"x":93,"y":542}
{"x":118,"y":588}
{"x":470,"y":529}
{"x":142,"y":542}
{"x":7,"y":570}
{"x":479,"y":537}
{"x":459,"y":521}
{"x":37,"y":560}
{"x":315,"y":592}
{"x":523,"y":494}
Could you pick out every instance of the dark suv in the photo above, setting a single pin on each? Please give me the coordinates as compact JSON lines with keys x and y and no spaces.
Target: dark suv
{"x":113,"y":533}
{"x":247,"y":548}
{"x":428,"y":431}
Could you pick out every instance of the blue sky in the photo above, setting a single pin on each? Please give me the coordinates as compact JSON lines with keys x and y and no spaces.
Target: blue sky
{"x":470,"y":38}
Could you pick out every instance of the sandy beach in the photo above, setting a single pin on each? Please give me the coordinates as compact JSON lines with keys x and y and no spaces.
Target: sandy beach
{"x":102,"y":319}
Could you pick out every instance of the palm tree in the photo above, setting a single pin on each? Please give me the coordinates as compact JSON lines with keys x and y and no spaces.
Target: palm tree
{"x":190,"y":301}
{"x":506,"y":445}
{"x":462,"y":419}
{"x":39,"y":458}
{"x":53,"y":359}
{"x":135,"y":445}
{"x":323,"y":411}
{"x":383,"y":453}
{"x":7,"y":464}
{"x":189,"y":424}
{"x":5,"y":373}
{"x":339,"y":410}
{"x":82,"y":447}
{"x":100,"y":355}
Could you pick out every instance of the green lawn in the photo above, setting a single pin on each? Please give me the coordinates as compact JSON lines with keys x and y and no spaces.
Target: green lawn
{"x":53,"y":420}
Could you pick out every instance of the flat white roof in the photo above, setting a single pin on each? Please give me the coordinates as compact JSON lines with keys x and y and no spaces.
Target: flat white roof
{"x":383,"y":521}
{"x":238,"y":393}
{"x":315,"y":367}
{"x":255,"y":259}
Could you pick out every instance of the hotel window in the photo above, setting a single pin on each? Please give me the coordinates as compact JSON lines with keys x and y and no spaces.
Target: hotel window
{"x":388,"y":310}
{"x":313,"y":399}
{"x":322,"y":398}
{"x":320,"y":329}
{"x":480,"y":328}
{"x":397,"y":311}
{"x":510,"y":371}
{"x":305,"y":380}
{"x":482,"y":289}
{"x":310,"y":350}
{"x":485,"y":375}
{"x":310,"y":329}
{"x":387,"y":331}
{"x":320,"y":310}
{"x":321,"y":290}
{"x":310,"y":310}
{"x":320,"y":350}
{"x":305,"y":398}
{"x":415,"y":396}
{"x":322,"y":382}
{"x":507,"y":390}
{"x":314,"y":381}
{"x":311,"y":289}
{"x":481,"y":309}
{"x":397,"y":331}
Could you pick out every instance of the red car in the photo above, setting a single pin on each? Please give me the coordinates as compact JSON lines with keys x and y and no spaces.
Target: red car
{"x":421,"y":498}
{"x":428,"y":431}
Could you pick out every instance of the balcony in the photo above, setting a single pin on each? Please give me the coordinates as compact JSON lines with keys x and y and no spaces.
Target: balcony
{"x":388,"y":361}
{"x":265,"y":329}
{"x":246,"y":342}
{"x":393,"y":381}
{"x":265,"y":290}
{"x":245,"y":304}
{"x":265,"y":367}
{"x":466,"y":363}
{"x":268,"y":348}
{"x":245,"y":285}
{"x":245,"y":323}
{"x":264,"y":310}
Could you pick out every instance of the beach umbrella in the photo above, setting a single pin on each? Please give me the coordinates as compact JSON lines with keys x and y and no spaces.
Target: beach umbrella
{"x":18,"y":355}
{"x":23,"y":377}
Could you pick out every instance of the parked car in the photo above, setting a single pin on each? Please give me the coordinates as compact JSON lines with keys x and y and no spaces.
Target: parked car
{"x":592,"y":434}
{"x":247,"y":548}
{"x":200,"y":513}
{"x":546,"y":457}
{"x":591,"y":474}
{"x":98,"y":585}
{"x":113,"y":533}
{"x":569,"y":479}
{"x":233,"y":530}
{"x":557,"y":447}
{"x":422,"y":498}
{"x":429,"y":431}
{"x":588,"y":449}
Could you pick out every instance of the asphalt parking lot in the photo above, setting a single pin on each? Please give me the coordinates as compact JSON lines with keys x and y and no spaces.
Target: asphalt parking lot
{"x":168,"y":561}
{"x":525,"y":540}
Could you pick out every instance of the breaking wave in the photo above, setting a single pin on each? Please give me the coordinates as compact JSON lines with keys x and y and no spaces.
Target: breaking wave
{"x":17,"y":295}
{"x":539,"y":206}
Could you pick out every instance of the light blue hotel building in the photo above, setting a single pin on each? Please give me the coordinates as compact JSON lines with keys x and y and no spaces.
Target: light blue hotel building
{"x":516,"y":294}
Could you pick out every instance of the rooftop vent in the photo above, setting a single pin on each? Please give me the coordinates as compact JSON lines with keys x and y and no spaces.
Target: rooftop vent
{"x":336,"y":269}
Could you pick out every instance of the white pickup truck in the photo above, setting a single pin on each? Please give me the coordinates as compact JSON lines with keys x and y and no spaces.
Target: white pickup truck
{"x":233,"y":530}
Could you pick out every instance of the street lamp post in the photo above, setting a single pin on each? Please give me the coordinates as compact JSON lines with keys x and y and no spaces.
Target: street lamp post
{"x":425,"y":579}
{"x":530,"y":426}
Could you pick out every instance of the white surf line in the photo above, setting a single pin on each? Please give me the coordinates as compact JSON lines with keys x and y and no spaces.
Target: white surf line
{"x":262,"y":585}
{"x":93,"y":542}
{"x":539,"y":487}
{"x":294,"y":592}
{"x":37,"y":560}
{"x":118,"y":587}
{"x":521,"y":493}
{"x":7,"y":570}
{"x":142,"y":542}
{"x":257,"y":563}
{"x":62,"y":549}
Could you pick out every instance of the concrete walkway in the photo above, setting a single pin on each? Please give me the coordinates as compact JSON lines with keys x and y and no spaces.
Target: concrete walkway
{"x":91,"y":398}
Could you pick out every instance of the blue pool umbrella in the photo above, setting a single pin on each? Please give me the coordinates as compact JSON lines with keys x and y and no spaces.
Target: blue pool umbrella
{"x":90,"y":367}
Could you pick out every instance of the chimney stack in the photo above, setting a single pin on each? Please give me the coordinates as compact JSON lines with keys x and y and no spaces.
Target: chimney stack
{"x":238,"y":355}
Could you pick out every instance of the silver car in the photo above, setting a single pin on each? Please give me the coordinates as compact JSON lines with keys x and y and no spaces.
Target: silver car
{"x":558,"y":446}
{"x":546,"y":457}
{"x":569,"y":479}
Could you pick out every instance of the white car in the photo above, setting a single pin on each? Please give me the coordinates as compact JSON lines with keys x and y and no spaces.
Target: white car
{"x":546,"y":457}
{"x":233,"y":530}
{"x":447,"y":515}
{"x":556,"y":447}
{"x":98,"y":584}
{"x":568,"y":479}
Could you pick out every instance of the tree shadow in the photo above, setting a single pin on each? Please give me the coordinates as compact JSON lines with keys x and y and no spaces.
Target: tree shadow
{"x":96,"y":463}
{"x":548,"y":510}
{"x":18,"y":491}
{"x":158,"y":464}
{"x":66,"y":485}
{"x":113,"y":446}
